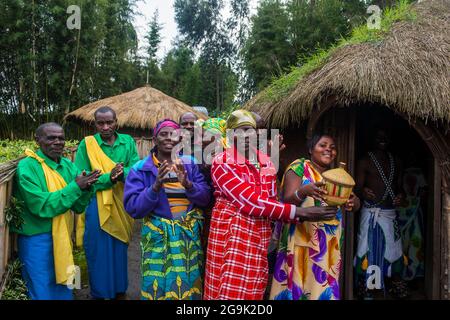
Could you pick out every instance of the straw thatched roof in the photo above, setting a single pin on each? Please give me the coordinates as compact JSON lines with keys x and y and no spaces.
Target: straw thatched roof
{"x":407,"y":70}
{"x":141,"y":108}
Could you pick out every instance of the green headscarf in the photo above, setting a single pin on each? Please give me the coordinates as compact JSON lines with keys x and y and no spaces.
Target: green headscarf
{"x":240,"y":118}
{"x":217,"y":126}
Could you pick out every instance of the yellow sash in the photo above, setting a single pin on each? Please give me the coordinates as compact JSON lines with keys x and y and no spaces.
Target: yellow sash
{"x":112,"y":216}
{"x":61,"y":225}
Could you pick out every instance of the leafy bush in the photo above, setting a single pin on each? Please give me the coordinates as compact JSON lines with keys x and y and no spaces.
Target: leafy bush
{"x":15,"y":287}
{"x":13,"y":149}
{"x":13,"y":214}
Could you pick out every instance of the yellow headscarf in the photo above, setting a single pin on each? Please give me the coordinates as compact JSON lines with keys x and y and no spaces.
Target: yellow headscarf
{"x":240,"y":118}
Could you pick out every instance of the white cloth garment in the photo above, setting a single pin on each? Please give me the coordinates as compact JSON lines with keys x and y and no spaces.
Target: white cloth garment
{"x":385,"y":218}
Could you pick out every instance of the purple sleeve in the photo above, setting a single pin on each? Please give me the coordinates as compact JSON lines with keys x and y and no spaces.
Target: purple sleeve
{"x":139,"y":200}
{"x":200,"y":193}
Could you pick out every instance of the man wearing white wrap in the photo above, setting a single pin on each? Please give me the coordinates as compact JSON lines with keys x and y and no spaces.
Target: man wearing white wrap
{"x":379,"y":184}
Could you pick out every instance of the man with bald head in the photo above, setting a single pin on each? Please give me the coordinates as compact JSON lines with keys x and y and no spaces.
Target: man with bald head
{"x":50,"y":186}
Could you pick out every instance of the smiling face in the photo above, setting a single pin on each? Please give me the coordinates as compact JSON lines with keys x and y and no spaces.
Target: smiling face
{"x":105,"y":124}
{"x":324,"y":151}
{"x":52,"y":141}
{"x":166,"y":140}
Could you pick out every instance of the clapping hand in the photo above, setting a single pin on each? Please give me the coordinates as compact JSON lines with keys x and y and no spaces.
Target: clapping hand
{"x":163,"y":170}
{"x":117,"y":173}
{"x":179,"y":169}
{"x":282,"y":146}
{"x":85,"y":181}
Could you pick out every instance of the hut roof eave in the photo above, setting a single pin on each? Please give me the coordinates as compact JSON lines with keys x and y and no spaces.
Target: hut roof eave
{"x":407,"y":69}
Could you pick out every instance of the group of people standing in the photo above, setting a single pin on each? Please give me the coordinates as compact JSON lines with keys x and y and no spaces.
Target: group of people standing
{"x":207,"y":225}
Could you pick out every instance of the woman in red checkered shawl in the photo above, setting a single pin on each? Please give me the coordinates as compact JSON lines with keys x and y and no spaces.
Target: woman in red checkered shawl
{"x":245,"y":189}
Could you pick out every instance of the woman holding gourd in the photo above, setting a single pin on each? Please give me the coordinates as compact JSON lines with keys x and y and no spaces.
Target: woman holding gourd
{"x":308,"y":262}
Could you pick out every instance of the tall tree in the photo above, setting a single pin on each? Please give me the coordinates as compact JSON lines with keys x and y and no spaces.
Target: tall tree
{"x":204,"y":29}
{"x":153,"y":39}
{"x":268,"y":52}
{"x":47,"y":69}
{"x":286,"y":33}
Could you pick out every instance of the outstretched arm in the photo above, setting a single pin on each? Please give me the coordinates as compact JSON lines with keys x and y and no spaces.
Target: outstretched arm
{"x":243,"y":195}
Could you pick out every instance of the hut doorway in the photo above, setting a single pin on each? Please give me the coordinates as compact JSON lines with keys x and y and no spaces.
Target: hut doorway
{"x":352,"y":128}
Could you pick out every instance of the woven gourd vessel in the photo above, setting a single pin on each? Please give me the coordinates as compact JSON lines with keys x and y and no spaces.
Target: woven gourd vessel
{"x":339,"y":185}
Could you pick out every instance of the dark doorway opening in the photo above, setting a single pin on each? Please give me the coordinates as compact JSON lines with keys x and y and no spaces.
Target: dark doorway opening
{"x":352,"y":128}
{"x":416,"y":218}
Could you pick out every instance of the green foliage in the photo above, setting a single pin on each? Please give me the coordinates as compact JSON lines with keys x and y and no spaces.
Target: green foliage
{"x":268,"y":51}
{"x":13,"y":149}
{"x":13,"y":213}
{"x":15,"y":287}
{"x":216,"y":38}
{"x":47,"y":70}
{"x":280,"y":87}
{"x":283,"y":34}
{"x":79,"y":259}
{"x":224,"y":114}
{"x":153,"y":37}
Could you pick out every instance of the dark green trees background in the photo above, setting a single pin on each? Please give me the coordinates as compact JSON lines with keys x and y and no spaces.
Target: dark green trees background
{"x":221,"y":57}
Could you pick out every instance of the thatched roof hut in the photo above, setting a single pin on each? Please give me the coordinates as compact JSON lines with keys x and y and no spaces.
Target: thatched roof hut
{"x":138,"y":111}
{"x":406,"y":68}
{"x":398,"y":77}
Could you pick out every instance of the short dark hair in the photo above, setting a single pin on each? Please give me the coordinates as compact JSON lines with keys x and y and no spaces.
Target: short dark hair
{"x":187,"y":113}
{"x":105,"y":109}
{"x":40,"y":130}
{"x":311,"y":143}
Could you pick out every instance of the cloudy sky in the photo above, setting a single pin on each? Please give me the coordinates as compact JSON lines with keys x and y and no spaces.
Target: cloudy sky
{"x":146,"y":8}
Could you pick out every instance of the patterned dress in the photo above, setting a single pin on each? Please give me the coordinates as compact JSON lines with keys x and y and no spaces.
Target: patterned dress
{"x":308,"y":262}
{"x":236,"y":263}
{"x":172,"y":255}
{"x":411,"y":224}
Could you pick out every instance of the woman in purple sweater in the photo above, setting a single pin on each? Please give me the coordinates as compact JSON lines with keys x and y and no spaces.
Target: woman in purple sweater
{"x":168,"y":194}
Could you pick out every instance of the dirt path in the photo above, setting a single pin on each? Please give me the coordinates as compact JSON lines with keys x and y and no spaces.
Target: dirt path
{"x":134,"y":268}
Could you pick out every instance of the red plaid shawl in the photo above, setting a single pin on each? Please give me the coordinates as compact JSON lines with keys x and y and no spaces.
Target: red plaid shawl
{"x":236,"y":263}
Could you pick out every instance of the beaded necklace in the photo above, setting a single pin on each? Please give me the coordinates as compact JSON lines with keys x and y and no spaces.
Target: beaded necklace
{"x":386,"y":181}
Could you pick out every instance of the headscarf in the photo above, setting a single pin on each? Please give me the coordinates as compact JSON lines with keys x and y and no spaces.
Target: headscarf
{"x":217,"y":126}
{"x":199,"y":123}
{"x":240,"y":118}
{"x":165,"y":123}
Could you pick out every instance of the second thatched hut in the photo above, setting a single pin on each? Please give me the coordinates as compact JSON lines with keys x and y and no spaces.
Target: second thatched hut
{"x":397,"y":77}
{"x":138,"y":112}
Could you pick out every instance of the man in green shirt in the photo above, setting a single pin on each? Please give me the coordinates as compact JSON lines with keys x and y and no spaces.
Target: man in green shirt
{"x":107,"y":226}
{"x":41,"y":207}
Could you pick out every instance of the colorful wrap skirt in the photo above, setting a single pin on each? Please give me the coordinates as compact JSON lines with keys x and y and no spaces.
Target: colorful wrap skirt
{"x":172,"y":258}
